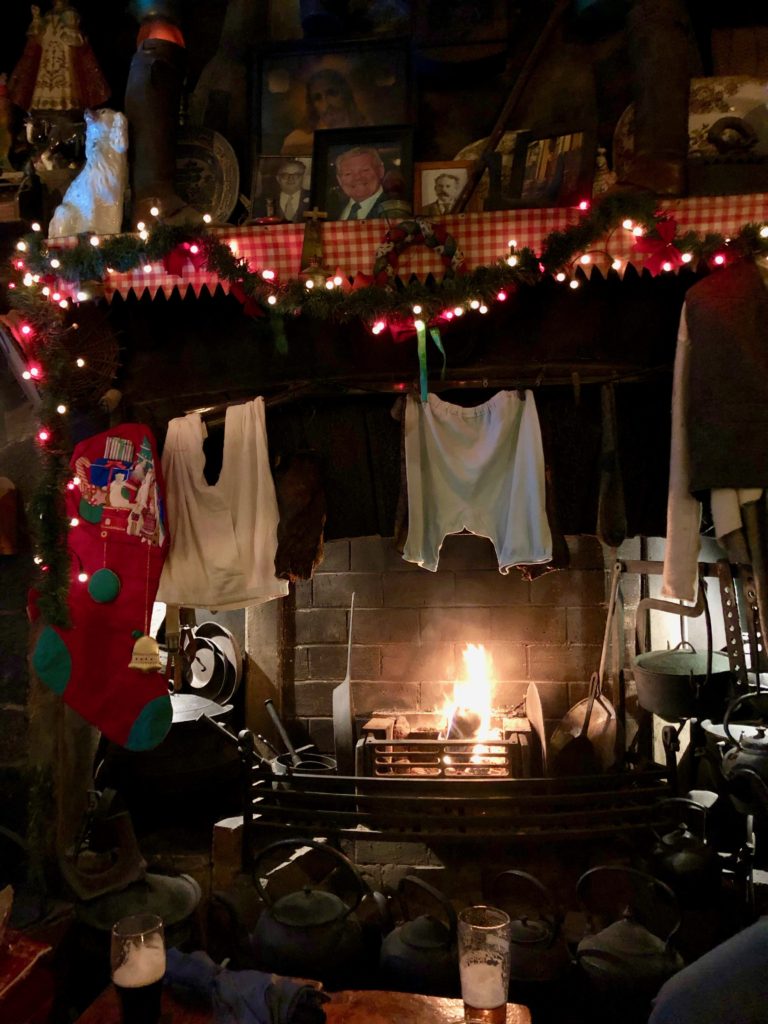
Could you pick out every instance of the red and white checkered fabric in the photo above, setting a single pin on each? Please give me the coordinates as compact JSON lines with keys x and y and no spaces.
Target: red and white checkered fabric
{"x":350,"y":246}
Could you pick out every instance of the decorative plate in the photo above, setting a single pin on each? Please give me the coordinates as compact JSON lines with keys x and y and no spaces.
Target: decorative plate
{"x":207,"y":173}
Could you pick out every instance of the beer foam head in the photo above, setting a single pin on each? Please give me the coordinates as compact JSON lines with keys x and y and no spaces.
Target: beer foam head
{"x":144,"y":963}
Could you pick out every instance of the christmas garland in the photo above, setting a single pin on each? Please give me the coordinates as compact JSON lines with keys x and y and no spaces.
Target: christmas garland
{"x":47,"y":281}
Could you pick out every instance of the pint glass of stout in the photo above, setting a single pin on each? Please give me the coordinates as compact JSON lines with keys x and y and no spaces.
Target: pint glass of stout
{"x":484,"y":935}
{"x":138,"y":966}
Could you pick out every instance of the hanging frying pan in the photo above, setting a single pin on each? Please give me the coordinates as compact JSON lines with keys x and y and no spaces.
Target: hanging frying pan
{"x":208,"y":668}
{"x":227,"y":643}
{"x":584,"y":742}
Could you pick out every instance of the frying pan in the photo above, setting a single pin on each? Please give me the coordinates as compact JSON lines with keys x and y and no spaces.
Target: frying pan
{"x":584,"y":741}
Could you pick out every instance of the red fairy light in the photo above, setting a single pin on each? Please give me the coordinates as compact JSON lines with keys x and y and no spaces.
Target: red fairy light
{"x":26,"y":329}
{"x":502,"y":297}
{"x":584,"y":204}
{"x":719,"y":259}
{"x":378,"y":327}
{"x":43,"y":435}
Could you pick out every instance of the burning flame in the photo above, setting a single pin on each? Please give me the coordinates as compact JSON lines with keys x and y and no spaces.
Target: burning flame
{"x":469,"y":712}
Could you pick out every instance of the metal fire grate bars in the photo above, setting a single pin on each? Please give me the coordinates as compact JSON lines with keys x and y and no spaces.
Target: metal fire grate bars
{"x":446,"y":810}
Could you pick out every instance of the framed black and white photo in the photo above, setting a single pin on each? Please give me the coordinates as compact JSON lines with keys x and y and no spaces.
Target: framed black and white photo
{"x":280,"y":188}
{"x":438,"y":185}
{"x":363,"y":173}
{"x":300,"y":93}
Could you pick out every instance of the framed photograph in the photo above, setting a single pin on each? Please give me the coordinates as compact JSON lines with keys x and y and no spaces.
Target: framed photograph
{"x":363,"y":173}
{"x":300,"y":93}
{"x":437,"y":186}
{"x":280,"y":188}
{"x":558,"y":170}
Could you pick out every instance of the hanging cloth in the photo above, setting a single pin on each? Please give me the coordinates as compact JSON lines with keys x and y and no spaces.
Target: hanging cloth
{"x":223,"y":535}
{"x":479,"y":469}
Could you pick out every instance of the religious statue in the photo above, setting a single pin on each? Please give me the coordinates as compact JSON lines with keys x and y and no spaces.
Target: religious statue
{"x":57,"y":70}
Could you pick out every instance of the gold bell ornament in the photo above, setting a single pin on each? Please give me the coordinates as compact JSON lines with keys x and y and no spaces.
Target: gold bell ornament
{"x":146,"y":654}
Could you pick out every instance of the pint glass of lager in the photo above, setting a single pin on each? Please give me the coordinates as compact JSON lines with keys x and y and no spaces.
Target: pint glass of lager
{"x":138,"y":966}
{"x":484,"y":934}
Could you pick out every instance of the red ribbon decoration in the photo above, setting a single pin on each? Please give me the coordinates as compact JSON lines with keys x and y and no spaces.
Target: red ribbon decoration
{"x":175,"y":260}
{"x":249,"y":304}
{"x":660,"y":250}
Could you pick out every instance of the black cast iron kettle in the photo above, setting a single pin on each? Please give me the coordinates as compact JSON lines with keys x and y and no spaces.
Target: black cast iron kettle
{"x":420,"y":955}
{"x":311,"y":932}
{"x":628,"y":961}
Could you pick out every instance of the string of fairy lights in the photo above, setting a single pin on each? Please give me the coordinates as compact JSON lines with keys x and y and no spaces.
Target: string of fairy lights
{"x":48,"y":281}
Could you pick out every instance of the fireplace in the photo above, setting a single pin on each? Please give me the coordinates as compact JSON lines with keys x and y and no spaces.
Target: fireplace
{"x":410,"y":631}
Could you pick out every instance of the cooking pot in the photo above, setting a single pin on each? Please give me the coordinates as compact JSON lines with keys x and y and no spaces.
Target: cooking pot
{"x":310,"y":933}
{"x":675,"y":684}
{"x":626,"y":963}
{"x":681,"y":683}
{"x":420,"y":955}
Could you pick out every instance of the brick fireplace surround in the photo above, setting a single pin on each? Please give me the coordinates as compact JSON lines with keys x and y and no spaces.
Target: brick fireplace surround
{"x":411,"y":625}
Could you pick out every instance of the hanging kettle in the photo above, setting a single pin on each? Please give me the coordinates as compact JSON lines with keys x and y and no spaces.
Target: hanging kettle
{"x":627,"y":962}
{"x":537,"y":951}
{"x":745,"y":763}
{"x":681,"y":857}
{"x":312,"y":932}
{"x":420,"y":955}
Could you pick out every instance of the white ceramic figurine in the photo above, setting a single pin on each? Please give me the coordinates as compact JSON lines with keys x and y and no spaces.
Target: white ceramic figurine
{"x":94,"y":200}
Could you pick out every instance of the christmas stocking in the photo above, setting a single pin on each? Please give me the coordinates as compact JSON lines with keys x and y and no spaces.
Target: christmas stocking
{"x":105,"y":665}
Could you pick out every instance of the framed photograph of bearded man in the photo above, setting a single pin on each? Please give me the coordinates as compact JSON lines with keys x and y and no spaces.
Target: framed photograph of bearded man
{"x":324,"y":88}
{"x":363,"y":173}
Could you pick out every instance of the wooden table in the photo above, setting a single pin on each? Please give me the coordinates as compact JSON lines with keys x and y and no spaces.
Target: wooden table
{"x":344,"y":1008}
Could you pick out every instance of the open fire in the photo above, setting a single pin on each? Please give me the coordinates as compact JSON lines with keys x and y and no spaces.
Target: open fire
{"x":468,"y":738}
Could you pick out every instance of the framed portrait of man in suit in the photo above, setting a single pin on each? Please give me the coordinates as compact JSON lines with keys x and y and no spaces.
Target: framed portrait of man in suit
{"x":363,"y":173}
{"x":437,"y":187}
{"x":280,"y":188}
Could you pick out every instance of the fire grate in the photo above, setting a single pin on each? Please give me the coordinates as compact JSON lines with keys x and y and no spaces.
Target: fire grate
{"x":423,"y":753}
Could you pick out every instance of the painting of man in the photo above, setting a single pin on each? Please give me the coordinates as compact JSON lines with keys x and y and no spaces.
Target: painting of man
{"x":302,"y":93}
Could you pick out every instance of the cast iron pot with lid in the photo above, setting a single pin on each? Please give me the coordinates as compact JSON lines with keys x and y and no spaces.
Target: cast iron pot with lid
{"x":310,"y":932}
{"x":420,"y":955}
{"x":681,"y":682}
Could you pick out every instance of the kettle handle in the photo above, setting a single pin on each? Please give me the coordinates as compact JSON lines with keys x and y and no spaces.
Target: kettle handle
{"x":430,"y":890}
{"x":296,"y":844}
{"x":729,"y":712}
{"x":689,"y":805}
{"x":640,"y":876}
{"x":541,"y":890}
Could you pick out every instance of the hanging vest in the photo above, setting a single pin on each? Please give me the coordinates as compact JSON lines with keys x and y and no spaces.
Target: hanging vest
{"x":726,"y":416}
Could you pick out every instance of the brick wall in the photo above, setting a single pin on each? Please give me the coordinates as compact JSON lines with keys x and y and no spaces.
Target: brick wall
{"x":411,"y":625}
